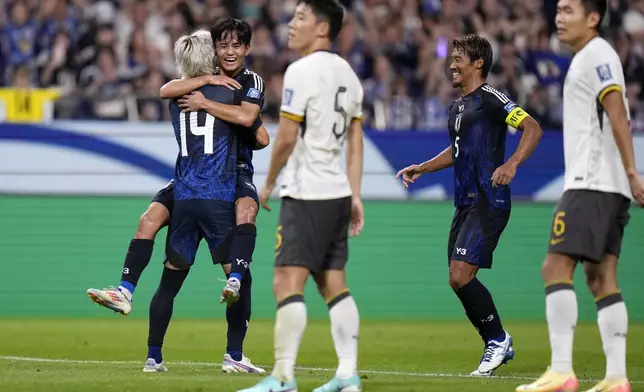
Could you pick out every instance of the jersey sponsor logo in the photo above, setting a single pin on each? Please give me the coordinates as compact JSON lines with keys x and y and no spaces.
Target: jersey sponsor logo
{"x":254,"y":93}
{"x":288,"y":96}
{"x":604,"y":73}
{"x":510,"y":107}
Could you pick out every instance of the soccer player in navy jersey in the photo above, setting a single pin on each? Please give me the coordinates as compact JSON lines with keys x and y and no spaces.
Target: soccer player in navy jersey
{"x":204,"y":188}
{"x":478,"y":123}
{"x":158,"y":216}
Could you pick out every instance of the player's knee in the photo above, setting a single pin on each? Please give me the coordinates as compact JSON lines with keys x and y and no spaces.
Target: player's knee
{"x":169,"y":265}
{"x":557,"y":267}
{"x":594,"y":283}
{"x":288,"y":281}
{"x":331,"y":283}
{"x":151,"y":222}
{"x":246,"y":211}
{"x":460,"y":274}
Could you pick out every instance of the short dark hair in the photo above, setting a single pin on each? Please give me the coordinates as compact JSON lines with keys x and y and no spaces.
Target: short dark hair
{"x":329,"y":11}
{"x":227,"y":27}
{"x":598,"y":6}
{"x":475,"y":47}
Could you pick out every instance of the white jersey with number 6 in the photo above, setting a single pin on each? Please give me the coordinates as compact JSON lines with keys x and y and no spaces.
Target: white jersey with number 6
{"x":322,"y":93}
{"x":592,"y":158}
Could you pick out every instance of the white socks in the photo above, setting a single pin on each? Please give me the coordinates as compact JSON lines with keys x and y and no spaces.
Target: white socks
{"x":612,"y":319}
{"x":290,"y":324}
{"x":345,"y":326}
{"x":561,"y":313}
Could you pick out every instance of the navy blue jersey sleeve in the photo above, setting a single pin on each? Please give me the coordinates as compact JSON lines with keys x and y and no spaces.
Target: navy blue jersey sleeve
{"x":500,"y":108}
{"x":253,"y":89}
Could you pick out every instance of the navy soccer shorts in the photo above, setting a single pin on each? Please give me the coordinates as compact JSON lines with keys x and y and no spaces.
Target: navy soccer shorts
{"x":475,"y":233}
{"x":194,"y":220}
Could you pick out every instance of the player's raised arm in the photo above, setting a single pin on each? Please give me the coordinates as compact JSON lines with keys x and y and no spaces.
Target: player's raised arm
{"x":179,"y":87}
{"x":252,"y":97}
{"x":502,"y":108}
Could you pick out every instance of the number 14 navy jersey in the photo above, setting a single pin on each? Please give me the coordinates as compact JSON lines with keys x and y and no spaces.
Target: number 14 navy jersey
{"x":207,"y":160}
{"x":478,"y":125}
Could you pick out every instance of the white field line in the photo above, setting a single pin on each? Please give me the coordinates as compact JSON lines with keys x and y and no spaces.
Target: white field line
{"x":215,"y":364}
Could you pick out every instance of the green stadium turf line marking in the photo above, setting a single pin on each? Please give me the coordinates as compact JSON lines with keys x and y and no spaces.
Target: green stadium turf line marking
{"x":315,"y":369}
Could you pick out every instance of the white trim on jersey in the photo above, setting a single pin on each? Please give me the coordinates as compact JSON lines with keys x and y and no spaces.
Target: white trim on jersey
{"x":502,"y":97}
{"x":259,"y":82}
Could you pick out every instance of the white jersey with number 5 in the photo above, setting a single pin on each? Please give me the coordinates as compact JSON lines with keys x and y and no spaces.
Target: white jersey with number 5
{"x":323,"y":94}
{"x":592,"y":158}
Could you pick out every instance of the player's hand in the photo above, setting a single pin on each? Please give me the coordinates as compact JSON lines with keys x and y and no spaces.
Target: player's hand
{"x":504,"y":174}
{"x":357,"y":217}
{"x":637,"y":188}
{"x":264,"y":195}
{"x":192,"y":102}
{"x":409,"y":174}
{"x":222,"y":80}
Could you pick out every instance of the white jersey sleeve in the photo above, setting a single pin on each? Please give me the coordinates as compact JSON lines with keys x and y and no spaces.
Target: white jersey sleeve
{"x":296,"y":93}
{"x":606,"y":73}
{"x":357,"y":114}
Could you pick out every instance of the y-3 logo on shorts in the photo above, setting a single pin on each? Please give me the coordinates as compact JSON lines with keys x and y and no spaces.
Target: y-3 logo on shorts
{"x":242,"y":262}
{"x":461,"y":251}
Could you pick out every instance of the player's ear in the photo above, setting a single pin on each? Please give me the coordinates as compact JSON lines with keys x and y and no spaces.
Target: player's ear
{"x":592,"y":20}
{"x":246,"y":50}
{"x":478,"y":63}
{"x":323,"y":29}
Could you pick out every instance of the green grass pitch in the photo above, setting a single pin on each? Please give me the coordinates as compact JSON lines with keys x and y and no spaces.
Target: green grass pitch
{"x":92,"y":355}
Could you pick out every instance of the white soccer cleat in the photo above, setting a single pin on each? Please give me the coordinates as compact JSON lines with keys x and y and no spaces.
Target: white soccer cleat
{"x":151,"y":366}
{"x":495,"y":354}
{"x":230,"y":293}
{"x":111,"y":298}
{"x":243,"y":366}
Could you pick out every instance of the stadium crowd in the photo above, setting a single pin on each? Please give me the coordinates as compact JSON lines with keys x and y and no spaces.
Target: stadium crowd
{"x":109,"y":57}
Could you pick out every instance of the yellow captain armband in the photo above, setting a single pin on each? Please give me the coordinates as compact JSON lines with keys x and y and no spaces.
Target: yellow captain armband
{"x":292,"y":117}
{"x":515,"y":117}
{"x":357,"y":119}
{"x":606,"y":90}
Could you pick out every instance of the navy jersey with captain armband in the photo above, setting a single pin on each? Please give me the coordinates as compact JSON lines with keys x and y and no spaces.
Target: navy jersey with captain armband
{"x":478,"y":125}
{"x":207,"y":160}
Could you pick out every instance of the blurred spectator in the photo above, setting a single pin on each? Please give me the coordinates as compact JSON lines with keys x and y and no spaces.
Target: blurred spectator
{"x":109,"y":57}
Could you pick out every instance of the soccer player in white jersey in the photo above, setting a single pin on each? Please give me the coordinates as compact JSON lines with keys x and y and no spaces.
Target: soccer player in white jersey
{"x":589,"y":221}
{"x":321,"y":110}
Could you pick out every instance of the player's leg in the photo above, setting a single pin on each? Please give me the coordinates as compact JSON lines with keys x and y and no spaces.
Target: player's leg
{"x":612,"y":316}
{"x":217,"y":222}
{"x":242,"y":245}
{"x":238,"y":316}
{"x":297,"y":255}
{"x":182,"y":242}
{"x":138,"y":255}
{"x":457,"y":222}
{"x":576,"y":234}
{"x":473,"y":249}
{"x":343,"y":312}
{"x":161,"y":307}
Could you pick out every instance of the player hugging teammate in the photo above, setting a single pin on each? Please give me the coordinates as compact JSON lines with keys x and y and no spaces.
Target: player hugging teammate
{"x":236,"y":97}
{"x":478,"y":123}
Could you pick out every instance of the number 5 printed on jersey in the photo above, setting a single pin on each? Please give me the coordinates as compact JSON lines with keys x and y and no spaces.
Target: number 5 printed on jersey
{"x":190,"y":121}
{"x":343,"y":114}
